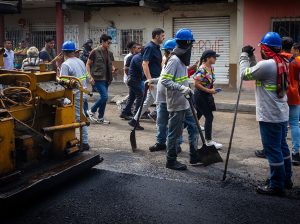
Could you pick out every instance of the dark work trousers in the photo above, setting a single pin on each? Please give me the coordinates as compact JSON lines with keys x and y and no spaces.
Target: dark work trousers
{"x":135,"y":93}
{"x":205,"y":105}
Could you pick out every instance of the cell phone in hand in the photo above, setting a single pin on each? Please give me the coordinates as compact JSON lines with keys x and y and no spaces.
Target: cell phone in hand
{"x":218,"y":90}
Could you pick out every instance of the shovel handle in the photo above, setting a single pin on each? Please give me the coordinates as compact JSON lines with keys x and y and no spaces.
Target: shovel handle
{"x":141,"y":107}
{"x":191,"y":102}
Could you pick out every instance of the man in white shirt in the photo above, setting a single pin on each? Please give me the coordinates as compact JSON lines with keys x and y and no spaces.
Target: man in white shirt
{"x":8,"y":56}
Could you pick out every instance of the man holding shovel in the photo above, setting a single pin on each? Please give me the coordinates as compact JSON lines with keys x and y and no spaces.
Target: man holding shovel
{"x":272,"y":111}
{"x":175,"y":78}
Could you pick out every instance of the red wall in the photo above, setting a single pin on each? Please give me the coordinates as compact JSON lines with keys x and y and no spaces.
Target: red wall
{"x":258,"y":15}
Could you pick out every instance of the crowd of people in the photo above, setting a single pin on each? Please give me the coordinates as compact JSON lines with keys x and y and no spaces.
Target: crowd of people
{"x":164,"y":80}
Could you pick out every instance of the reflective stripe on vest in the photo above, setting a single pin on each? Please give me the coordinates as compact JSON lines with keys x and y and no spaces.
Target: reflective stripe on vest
{"x":248,"y":74}
{"x":268,"y":87}
{"x":178,"y":80}
{"x":81,"y":78}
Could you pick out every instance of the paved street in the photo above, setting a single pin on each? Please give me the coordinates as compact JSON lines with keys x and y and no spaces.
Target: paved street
{"x":137,"y":188}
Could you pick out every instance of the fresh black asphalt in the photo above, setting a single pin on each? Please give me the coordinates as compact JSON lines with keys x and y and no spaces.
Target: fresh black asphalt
{"x":101,"y":196}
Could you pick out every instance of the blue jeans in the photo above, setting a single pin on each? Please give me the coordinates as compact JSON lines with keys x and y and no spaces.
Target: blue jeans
{"x":273,"y":137}
{"x":175,"y":124}
{"x":85,"y":107}
{"x":162,"y":124}
{"x":102,"y":88}
{"x":135,"y":93}
{"x":294,"y":124}
{"x":77,"y":117}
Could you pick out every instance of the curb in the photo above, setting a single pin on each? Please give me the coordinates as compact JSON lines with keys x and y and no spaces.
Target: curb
{"x":221,"y":106}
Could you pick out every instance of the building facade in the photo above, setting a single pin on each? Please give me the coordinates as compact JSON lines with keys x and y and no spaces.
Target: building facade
{"x":224,"y":26}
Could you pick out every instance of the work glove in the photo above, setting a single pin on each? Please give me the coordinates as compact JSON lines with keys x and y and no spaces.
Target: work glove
{"x":248,"y":49}
{"x":185,"y":90}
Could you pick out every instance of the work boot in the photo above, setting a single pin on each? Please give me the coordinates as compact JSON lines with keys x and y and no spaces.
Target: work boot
{"x":157,"y":147}
{"x":178,"y":149}
{"x":175,"y":165}
{"x":85,"y":147}
{"x":267,"y":190}
{"x":288,"y":184}
{"x":296,"y":159}
{"x":132,"y":124}
{"x":260,"y":154}
{"x":195,"y":158}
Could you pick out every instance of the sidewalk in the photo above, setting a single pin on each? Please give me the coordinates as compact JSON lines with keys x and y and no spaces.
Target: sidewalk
{"x":225,"y":100}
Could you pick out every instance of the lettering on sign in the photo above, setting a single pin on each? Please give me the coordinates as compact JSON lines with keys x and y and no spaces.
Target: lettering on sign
{"x":202,"y":45}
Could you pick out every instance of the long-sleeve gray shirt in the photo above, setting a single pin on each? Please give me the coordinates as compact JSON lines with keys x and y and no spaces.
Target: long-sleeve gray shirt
{"x":269,"y":107}
{"x":173,"y":76}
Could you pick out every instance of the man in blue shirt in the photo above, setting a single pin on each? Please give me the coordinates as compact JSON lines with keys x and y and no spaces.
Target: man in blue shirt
{"x":134,"y":82}
{"x":152,"y":60}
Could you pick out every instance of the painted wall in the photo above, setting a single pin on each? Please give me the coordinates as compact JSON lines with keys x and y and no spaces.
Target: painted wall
{"x":258,"y":15}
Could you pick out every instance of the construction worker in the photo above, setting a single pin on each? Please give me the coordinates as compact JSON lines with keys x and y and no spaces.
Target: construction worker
{"x":175,"y":79}
{"x":73,"y":66}
{"x":152,"y":60}
{"x":204,"y":79}
{"x":272,"y":111}
{"x":100,"y":60}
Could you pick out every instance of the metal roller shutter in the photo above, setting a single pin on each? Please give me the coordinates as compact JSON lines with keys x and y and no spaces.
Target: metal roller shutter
{"x":209,"y":33}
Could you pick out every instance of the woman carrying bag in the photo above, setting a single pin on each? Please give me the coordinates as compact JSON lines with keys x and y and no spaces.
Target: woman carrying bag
{"x":204,"y":79}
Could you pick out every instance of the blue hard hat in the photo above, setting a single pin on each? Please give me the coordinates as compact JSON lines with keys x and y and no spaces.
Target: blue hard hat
{"x":271,"y":39}
{"x":169,"y":44}
{"x":184,"y":34}
{"x":68,"y":46}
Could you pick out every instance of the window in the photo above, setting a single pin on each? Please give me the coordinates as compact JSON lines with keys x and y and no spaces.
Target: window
{"x":289,"y":27}
{"x":130,"y":35}
{"x":95,"y":33}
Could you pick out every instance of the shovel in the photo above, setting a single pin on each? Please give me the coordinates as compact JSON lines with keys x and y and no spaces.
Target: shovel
{"x":132,"y":133}
{"x":208,"y":154}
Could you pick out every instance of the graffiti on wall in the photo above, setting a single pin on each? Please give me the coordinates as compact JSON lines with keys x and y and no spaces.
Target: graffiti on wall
{"x":202,"y":45}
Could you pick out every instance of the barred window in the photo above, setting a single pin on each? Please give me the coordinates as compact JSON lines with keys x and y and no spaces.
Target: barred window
{"x":287,"y":27}
{"x":130,"y":35}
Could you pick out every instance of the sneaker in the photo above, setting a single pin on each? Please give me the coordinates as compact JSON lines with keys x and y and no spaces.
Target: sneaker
{"x":85,"y":147}
{"x":152,"y":116}
{"x":92,"y":116}
{"x":175,"y":165}
{"x":217,"y":145}
{"x":102,"y":121}
{"x":267,"y":190}
{"x":125,"y":117}
{"x":157,"y":147}
{"x":145,"y":115}
{"x":132,"y":123}
{"x":202,"y":128}
{"x":296,"y":159}
{"x":260,"y":154}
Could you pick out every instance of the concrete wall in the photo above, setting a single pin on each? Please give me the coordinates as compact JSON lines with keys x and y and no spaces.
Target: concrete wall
{"x":146,"y":19}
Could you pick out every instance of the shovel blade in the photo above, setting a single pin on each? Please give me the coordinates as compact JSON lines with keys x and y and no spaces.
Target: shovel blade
{"x":133,"y":140}
{"x":209,"y":155}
